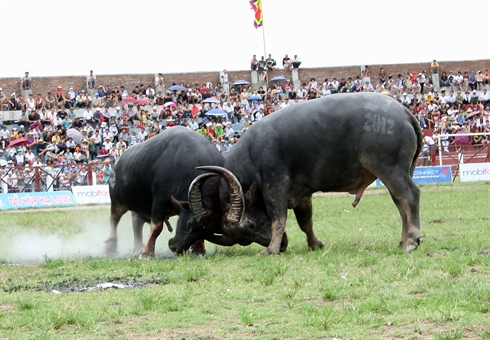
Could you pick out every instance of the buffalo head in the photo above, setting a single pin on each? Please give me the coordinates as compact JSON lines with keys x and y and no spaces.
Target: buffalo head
{"x":219,"y":212}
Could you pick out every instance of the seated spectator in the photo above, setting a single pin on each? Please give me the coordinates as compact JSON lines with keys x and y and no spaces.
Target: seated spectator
{"x":60,"y":99}
{"x":270,"y":62}
{"x":444,"y":80}
{"x":287,"y":62}
{"x":296,"y":61}
{"x":39,"y":102}
{"x":49,"y":101}
{"x":26,"y":82}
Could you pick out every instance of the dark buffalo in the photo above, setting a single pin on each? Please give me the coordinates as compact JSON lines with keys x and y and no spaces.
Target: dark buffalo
{"x":340,"y":143}
{"x":151,"y":177}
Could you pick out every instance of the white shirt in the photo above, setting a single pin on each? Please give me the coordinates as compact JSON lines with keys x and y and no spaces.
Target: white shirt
{"x":141,"y":136}
{"x":87,"y":114}
{"x":432,"y":107}
{"x":30,"y":156}
{"x":429,"y":140}
{"x":224,"y":78}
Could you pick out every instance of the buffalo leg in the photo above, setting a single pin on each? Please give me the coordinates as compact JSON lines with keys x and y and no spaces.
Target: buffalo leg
{"x":138,"y":223}
{"x":116,"y":213}
{"x":403,"y":216}
{"x":155,"y":230}
{"x":406,"y":196}
{"x":278,"y":227}
{"x":277,"y":211}
{"x":304,"y":214}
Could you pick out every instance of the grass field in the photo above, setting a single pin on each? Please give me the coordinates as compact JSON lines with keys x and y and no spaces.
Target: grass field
{"x":359,"y":286}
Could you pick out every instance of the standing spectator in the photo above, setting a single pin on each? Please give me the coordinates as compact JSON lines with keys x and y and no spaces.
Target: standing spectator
{"x":254,"y":63}
{"x":296,"y":61}
{"x":26,"y":82}
{"x":261,"y":69}
{"x":382,"y":76}
{"x":434,"y":67}
{"x":472,"y":81}
{"x":160,"y":82}
{"x":366,"y":74}
{"x":91,"y":78}
{"x":224,"y":77}
{"x":421,"y":82}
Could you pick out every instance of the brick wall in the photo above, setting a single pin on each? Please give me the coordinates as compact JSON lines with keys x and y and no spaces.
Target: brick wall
{"x":44,"y":84}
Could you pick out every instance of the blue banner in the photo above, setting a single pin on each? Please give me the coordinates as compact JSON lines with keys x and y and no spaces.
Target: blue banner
{"x":36,"y":200}
{"x":429,"y":175}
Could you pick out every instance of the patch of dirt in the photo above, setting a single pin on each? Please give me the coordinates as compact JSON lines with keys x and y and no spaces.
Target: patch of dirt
{"x":5,"y":308}
{"x":427,"y":330}
{"x":76,"y":286}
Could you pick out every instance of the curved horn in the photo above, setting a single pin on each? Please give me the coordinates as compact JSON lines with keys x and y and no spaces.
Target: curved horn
{"x":237,"y":199}
{"x":196,"y":205}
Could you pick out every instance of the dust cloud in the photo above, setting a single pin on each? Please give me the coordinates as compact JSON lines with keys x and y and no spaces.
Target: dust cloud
{"x":20,"y":245}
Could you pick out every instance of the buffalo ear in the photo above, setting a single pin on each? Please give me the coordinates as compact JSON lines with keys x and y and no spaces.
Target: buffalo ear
{"x":251,"y":195}
{"x":180,"y":205}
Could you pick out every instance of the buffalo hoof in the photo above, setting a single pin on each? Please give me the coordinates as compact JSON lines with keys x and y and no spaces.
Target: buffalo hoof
{"x":145,"y":256}
{"x":317,"y":244}
{"x":268,"y":251}
{"x":111,"y":246}
{"x":137,"y":248}
{"x":284,"y":243}
{"x":411,"y":244}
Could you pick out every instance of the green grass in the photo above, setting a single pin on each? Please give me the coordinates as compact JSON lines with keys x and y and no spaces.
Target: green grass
{"x":360,"y":285}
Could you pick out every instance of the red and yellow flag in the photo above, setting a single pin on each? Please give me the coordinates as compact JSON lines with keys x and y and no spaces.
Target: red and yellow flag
{"x":257,"y":8}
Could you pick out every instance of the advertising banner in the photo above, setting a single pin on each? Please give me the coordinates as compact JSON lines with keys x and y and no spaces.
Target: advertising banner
{"x":474,"y":172}
{"x":429,"y":175}
{"x":93,"y":194}
{"x":36,"y":200}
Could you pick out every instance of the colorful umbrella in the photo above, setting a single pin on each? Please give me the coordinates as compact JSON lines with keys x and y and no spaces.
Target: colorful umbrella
{"x":18,"y":141}
{"x":216,"y":112}
{"x":212,"y":100}
{"x":142,"y":101}
{"x":176,"y":88}
{"x":128,"y":100}
{"x":277,"y":78}
{"x":240,"y":82}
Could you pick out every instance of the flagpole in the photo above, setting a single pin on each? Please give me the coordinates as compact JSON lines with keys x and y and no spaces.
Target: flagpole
{"x":265,"y":50}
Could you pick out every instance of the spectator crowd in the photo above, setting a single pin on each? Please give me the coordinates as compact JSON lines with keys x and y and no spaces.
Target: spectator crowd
{"x":50,"y":134}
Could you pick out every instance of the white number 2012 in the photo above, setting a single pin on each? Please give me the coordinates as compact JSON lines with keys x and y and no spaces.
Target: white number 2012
{"x":379,"y":124}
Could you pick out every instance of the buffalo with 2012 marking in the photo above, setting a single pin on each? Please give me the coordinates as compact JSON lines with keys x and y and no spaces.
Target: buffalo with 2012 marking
{"x":339,"y":143}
